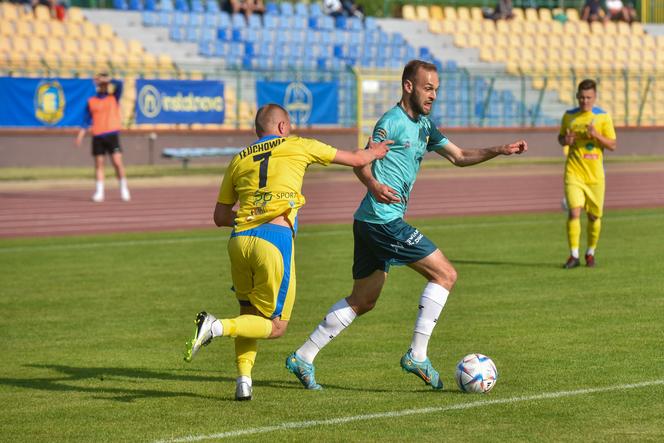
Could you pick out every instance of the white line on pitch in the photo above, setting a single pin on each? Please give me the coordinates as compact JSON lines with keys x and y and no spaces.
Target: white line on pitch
{"x":182,"y":240}
{"x":406,"y":412}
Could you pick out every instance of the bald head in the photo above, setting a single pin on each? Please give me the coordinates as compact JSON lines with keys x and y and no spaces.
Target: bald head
{"x":272,"y":119}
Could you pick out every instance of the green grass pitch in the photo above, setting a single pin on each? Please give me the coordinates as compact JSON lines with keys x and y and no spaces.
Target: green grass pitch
{"x":93,"y":330}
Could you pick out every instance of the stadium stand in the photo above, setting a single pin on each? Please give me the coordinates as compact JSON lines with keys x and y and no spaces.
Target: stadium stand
{"x":555,"y":55}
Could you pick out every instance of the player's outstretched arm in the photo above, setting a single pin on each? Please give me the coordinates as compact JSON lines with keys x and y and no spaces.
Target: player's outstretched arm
{"x":468,"y":157}
{"x":224,"y":215}
{"x":79,"y":136}
{"x":381,"y":192}
{"x":361,"y":157}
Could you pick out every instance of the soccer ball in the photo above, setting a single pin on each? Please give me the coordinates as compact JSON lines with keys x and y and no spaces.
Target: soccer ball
{"x":476,"y":373}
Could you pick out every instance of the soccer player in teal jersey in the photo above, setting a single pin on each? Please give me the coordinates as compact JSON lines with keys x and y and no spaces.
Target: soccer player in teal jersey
{"x":383,"y":238}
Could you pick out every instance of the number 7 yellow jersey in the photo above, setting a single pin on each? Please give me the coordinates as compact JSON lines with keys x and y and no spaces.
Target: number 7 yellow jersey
{"x":266,"y":178}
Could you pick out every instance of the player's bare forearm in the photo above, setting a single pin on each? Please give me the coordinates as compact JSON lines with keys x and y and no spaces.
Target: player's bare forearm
{"x":364,"y":174}
{"x":224,"y":215}
{"x":606,"y":142}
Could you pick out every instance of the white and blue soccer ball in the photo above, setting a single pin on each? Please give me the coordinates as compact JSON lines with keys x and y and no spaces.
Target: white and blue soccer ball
{"x":476,"y":373}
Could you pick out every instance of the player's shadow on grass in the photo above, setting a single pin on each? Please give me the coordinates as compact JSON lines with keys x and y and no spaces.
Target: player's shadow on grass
{"x":103,"y":383}
{"x":505,"y":263}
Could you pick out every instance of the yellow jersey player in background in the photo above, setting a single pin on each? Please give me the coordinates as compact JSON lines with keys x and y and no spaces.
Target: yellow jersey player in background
{"x":588,"y":131}
{"x":266,"y":180}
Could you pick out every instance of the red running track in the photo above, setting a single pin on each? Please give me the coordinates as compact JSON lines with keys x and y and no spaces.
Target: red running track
{"x":331,"y":197}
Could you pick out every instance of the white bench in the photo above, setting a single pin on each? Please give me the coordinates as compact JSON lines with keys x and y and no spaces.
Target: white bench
{"x":186,"y":154}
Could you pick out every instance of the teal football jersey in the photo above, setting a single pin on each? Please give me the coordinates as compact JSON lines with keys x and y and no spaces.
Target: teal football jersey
{"x":413,"y":138}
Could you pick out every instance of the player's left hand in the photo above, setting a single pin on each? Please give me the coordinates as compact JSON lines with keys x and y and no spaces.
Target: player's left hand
{"x":518,"y":147}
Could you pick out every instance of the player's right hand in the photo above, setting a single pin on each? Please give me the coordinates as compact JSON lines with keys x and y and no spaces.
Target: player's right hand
{"x":569,"y":137}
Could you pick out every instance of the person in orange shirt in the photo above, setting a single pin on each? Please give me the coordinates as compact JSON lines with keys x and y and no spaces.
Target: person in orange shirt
{"x":103,"y":120}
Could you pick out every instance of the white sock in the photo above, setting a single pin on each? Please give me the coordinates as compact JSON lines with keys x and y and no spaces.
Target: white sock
{"x":338,"y":318}
{"x":123,"y":184}
{"x":99,"y":188}
{"x":217,"y":328}
{"x":574,"y":252}
{"x":590,"y":251}
{"x":432,"y":301}
{"x":244,"y":379}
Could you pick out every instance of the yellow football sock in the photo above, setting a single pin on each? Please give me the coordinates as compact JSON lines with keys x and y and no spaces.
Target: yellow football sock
{"x":594,"y":227}
{"x":573,"y":232}
{"x":245,"y":355}
{"x":247,"y":326}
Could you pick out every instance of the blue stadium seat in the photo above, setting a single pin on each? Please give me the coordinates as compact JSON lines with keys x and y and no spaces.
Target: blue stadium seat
{"x":397,"y":39}
{"x":210,"y":20}
{"x":221,"y":48}
{"x":372,"y":37}
{"x":300,"y":22}
{"x":197,"y":6}
{"x":212,"y":6}
{"x":271,"y":21}
{"x":272,"y":8}
{"x":249,"y":49}
{"x":301,"y":9}
{"x":297,"y":50}
{"x":180,"y":20}
{"x":196,"y":19}
{"x":192,"y":34}
{"x":287,"y":8}
{"x":355,"y":38}
{"x":149,"y":5}
{"x":237,"y":49}
{"x":165,"y":18}
{"x":266,"y":48}
{"x":424,"y":53}
{"x":206,"y":49}
{"x":326,"y":38}
{"x":341,"y":22}
{"x":224,"y":34}
{"x":207,"y":34}
{"x":120,"y":4}
{"x":150,"y":18}
{"x":166,"y":5}
{"x":315,"y":10}
{"x":309,"y":64}
{"x":253,"y":37}
{"x":238,"y":21}
{"x":135,"y":5}
{"x":239,"y":34}
{"x":224,"y":19}
{"x":370,"y":24}
{"x":181,"y":5}
{"x":255,"y":22}
{"x":176,"y":33}
{"x":355,"y":24}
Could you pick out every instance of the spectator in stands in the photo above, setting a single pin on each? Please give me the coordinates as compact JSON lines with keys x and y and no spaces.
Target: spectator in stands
{"x":333,"y":8}
{"x":246,"y":7}
{"x":352,"y":9}
{"x":619,"y":11}
{"x":103,"y":118}
{"x":502,"y":11}
{"x":592,"y":11}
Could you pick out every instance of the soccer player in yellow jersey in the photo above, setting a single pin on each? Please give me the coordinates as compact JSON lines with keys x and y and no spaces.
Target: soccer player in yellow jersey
{"x":588,"y":131}
{"x":266,"y":180}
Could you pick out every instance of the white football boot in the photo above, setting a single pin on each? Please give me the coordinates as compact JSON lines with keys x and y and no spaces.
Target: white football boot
{"x":202,"y":335}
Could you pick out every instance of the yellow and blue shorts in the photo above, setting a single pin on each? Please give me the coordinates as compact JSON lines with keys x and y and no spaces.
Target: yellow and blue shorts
{"x":263,"y":269}
{"x":590,"y":197}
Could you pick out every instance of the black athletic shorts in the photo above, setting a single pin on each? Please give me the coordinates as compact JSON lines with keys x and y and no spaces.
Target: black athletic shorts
{"x":379,"y":246}
{"x":106,"y":144}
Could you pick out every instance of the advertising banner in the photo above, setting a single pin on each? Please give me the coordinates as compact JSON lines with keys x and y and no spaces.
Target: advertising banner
{"x":307,"y":103}
{"x":179,"y":101}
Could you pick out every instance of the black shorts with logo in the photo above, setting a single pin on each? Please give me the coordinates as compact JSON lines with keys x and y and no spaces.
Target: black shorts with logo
{"x":377,"y":246}
{"x":106,"y":144}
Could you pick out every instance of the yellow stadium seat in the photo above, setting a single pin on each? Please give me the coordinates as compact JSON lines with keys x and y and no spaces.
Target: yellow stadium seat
{"x":582,"y":28}
{"x":435,"y":27}
{"x":54,"y":46}
{"x":488,"y":26}
{"x":119,"y":46}
{"x":36,"y":45}
{"x":518,"y":14}
{"x":624,"y":29}
{"x":23,"y":28}
{"x":149,"y":62}
{"x":461,"y":40}
{"x":6,"y":28}
{"x":476,"y":13}
{"x":502,"y":26}
{"x":89,"y":30}
{"x":20,"y":44}
{"x":408,"y":12}
{"x":487,"y":54}
{"x":42,"y":13}
{"x":531,"y":27}
{"x":86,"y":46}
{"x":73,"y":30}
{"x":450,"y":13}
{"x":165,"y":62}
{"x":9,"y":11}
{"x":422,"y":12}
{"x":56,"y":29}
{"x":545,"y":15}
{"x":105,"y":31}
{"x":436,"y":12}
{"x":75,"y":15}
{"x":135,"y":47}
{"x":463,"y":13}
{"x":41,"y":29}
{"x":5,"y":46}
{"x":51,"y":59}
{"x":637,"y":29}
{"x":572,"y":14}
{"x":597,"y":28}
{"x":70,"y":46}
{"x":103,"y":47}
{"x":531,"y":15}
{"x":557,"y":27}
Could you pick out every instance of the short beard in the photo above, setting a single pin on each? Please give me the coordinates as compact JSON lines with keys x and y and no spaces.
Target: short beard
{"x":415,"y":106}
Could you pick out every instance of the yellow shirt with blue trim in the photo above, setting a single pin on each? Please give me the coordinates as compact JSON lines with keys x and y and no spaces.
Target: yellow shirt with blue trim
{"x":585,"y":158}
{"x":266,"y":179}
